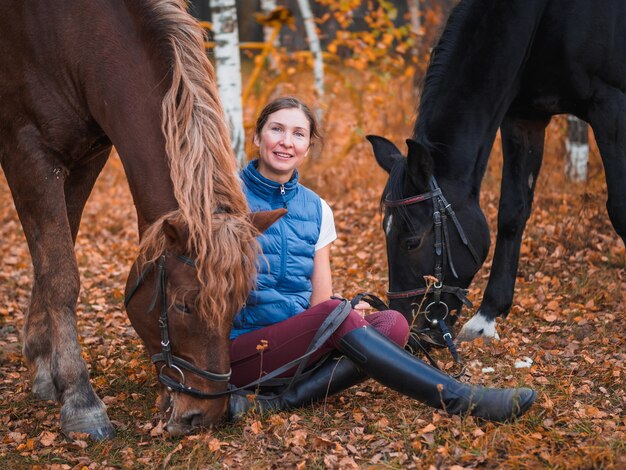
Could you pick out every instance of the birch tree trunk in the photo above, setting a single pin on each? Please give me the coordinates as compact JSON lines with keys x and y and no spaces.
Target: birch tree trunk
{"x":414,"y":10}
{"x":267,"y":6}
{"x":228,"y":68}
{"x":416,"y":25}
{"x":316,"y":50}
{"x":576,"y":149}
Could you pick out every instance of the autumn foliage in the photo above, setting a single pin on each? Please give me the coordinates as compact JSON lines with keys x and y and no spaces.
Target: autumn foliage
{"x":567,"y":322}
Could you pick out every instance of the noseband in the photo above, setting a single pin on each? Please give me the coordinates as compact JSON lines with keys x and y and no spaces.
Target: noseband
{"x":442,"y":211}
{"x":169,"y":360}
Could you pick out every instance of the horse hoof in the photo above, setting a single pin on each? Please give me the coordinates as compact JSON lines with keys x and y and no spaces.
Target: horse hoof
{"x":478,"y":327}
{"x":99,"y":427}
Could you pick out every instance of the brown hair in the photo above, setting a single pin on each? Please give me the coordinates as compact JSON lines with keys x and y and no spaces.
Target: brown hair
{"x":203,"y":172}
{"x":288,"y":102}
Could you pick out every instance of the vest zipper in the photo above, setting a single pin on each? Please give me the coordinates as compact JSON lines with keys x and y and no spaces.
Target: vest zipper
{"x":283,"y":258}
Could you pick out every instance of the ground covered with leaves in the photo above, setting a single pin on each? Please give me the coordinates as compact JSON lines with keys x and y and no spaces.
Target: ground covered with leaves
{"x":566,"y":325}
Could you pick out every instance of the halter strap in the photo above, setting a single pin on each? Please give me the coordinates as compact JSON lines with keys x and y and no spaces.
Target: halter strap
{"x":328,"y":327}
{"x":442,"y":210}
{"x":142,"y":276}
{"x":166,"y":356}
{"x":413,"y":199}
{"x":170,"y":361}
{"x":459,"y":292}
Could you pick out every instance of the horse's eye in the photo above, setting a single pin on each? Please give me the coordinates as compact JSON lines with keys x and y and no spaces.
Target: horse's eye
{"x":412,"y":243}
{"x":182,"y":308}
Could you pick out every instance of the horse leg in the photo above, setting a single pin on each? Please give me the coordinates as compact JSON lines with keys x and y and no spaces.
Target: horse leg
{"x":51,"y":346}
{"x":522,"y":148}
{"x":78,"y":186}
{"x":607,"y":116}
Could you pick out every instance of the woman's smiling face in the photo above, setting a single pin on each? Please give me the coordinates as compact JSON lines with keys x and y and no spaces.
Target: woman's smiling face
{"x":284,"y":142}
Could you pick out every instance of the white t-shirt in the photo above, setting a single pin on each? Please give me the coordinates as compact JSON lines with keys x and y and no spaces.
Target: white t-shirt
{"x":328,"y":234}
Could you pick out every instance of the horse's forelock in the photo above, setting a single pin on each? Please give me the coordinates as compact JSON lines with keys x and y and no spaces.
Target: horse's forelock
{"x":394,"y":189}
{"x":397,"y":176}
{"x":202,"y":165}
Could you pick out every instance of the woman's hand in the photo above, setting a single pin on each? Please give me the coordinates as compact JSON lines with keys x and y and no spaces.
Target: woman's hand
{"x":363,"y":308}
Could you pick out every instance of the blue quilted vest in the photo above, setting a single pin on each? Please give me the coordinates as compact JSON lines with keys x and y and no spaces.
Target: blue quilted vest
{"x":284,"y":271}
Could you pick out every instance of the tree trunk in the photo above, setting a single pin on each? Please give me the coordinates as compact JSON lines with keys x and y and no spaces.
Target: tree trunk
{"x":228,"y":68}
{"x":316,"y":50}
{"x":414,"y":11}
{"x":576,"y":149}
{"x":267,"y":6}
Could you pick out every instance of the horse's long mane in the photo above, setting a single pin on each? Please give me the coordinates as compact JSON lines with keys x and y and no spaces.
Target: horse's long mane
{"x":437,"y":69}
{"x":203,"y":169}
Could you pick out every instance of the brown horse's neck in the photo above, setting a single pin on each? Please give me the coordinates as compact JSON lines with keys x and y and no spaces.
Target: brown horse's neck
{"x":137,"y":73}
{"x":104,"y":75}
{"x":133,"y":84}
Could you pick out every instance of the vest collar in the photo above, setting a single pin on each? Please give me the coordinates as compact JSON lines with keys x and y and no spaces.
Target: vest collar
{"x":266,"y":188}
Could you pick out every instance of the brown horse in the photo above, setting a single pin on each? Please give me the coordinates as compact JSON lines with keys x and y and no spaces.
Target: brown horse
{"x":77,"y":77}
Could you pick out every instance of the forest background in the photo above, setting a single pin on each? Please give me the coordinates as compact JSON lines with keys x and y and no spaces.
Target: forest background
{"x":566,"y":324}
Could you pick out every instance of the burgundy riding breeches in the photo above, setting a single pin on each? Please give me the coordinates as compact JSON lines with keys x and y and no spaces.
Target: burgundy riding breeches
{"x":261,"y":351}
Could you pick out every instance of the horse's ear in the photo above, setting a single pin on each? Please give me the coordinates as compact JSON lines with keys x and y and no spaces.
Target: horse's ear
{"x":263,"y":219}
{"x":386,"y":153}
{"x":177,"y":235}
{"x":420,"y":165}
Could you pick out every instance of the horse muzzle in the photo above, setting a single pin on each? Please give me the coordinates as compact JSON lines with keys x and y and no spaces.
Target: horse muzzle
{"x":190,"y":415}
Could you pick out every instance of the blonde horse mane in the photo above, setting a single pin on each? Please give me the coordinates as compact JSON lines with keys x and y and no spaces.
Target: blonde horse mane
{"x":203,"y":170}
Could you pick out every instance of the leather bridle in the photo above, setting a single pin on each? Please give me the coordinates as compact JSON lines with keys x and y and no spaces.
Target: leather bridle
{"x":169,"y":360}
{"x":442,"y":212}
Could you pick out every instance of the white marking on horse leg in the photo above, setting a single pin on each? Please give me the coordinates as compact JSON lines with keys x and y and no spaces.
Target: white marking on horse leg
{"x":531,"y":179}
{"x":478,"y":326}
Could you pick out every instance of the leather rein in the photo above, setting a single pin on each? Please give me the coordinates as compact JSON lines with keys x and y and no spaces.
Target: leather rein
{"x":170,"y":361}
{"x":442,"y":212}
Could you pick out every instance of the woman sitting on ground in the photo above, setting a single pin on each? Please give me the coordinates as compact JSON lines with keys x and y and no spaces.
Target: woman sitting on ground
{"x":293,"y":298}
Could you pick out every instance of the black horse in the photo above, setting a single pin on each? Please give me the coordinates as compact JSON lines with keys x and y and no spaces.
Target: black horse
{"x":509,"y":64}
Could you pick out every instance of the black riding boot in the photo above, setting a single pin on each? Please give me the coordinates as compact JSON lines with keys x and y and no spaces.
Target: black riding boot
{"x":331,"y":377}
{"x":390,"y":365}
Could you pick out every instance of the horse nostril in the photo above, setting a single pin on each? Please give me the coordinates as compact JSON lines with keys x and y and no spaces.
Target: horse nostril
{"x":185,"y":424}
{"x":201,"y":421}
{"x":195,"y":420}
